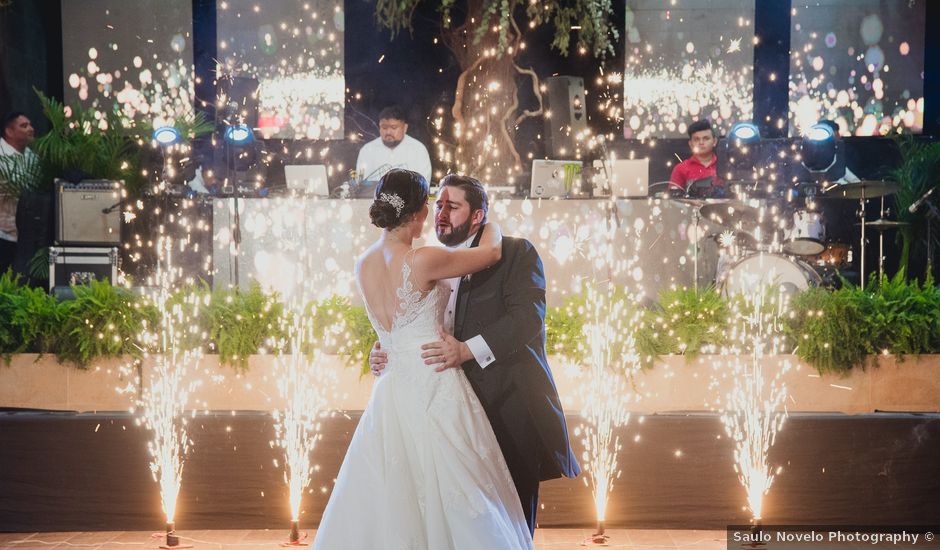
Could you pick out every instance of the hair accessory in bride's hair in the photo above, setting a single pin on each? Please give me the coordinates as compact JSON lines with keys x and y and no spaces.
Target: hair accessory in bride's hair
{"x":397,"y":202}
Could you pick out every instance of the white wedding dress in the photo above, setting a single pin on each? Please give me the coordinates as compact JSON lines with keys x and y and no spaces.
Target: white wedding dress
{"x":423,"y":470}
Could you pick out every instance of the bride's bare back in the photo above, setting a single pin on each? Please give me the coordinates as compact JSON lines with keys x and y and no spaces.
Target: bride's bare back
{"x":380,"y":270}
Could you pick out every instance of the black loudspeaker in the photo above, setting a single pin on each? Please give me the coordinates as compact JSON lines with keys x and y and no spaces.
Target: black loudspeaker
{"x":565,"y":101}
{"x":34,"y":227}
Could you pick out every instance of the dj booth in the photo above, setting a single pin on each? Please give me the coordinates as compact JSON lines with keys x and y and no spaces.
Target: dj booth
{"x":277,"y":233}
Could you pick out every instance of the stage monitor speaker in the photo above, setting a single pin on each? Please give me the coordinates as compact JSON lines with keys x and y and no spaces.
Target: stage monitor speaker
{"x":88,"y":213}
{"x":568,"y":118}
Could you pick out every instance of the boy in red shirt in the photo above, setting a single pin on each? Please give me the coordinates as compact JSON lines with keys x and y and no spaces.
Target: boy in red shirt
{"x":702,"y":164}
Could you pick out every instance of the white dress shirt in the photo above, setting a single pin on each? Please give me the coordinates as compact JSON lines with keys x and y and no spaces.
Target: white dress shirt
{"x":375,"y":159}
{"x":478,"y":347}
{"x":8,"y":202}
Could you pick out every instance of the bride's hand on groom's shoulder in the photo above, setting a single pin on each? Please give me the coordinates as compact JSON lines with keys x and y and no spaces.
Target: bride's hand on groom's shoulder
{"x":377,"y":359}
{"x":446,"y":353}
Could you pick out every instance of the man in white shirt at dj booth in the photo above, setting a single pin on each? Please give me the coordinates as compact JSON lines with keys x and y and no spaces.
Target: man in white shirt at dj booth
{"x":394,"y":148}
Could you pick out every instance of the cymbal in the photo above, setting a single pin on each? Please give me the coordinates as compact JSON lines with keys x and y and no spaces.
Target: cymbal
{"x":884,"y":225}
{"x":753,"y":189}
{"x":730,"y":213}
{"x":871,"y":189}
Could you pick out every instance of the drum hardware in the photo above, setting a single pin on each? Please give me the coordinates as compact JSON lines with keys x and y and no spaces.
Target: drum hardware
{"x":863,"y":190}
{"x":881,"y":225}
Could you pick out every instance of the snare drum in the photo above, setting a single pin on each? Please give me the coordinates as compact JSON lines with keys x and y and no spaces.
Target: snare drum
{"x":807,"y":235}
{"x":748,"y":274}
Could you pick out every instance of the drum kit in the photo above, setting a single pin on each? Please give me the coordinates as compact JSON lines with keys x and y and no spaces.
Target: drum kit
{"x":768,"y":234}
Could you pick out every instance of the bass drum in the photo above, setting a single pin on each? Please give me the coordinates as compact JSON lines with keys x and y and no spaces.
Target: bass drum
{"x":749,"y":273}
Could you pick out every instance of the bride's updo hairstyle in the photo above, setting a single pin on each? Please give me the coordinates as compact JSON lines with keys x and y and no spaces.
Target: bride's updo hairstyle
{"x":399,"y":194}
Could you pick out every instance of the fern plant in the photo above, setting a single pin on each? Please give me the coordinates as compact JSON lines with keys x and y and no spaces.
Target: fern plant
{"x":564,"y":329}
{"x":242,"y":323}
{"x":685,"y":321}
{"x":29,"y":318}
{"x":102,"y":321}
{"x":344,"y":329}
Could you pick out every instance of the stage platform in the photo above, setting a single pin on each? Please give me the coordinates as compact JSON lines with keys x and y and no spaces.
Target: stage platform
{"x":545,"y":539}
{"x":89,"y":472}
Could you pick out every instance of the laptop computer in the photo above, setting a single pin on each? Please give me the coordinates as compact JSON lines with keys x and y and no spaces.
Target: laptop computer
{"x":307,"y":178}
{"x":554,"y":178}
{"x":630,"y":178}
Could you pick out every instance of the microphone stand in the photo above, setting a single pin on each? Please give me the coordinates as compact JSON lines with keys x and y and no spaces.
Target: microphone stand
{"x":932,"y":214}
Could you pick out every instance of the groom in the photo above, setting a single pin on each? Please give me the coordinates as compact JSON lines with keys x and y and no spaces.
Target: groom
{"x":497,"y":319}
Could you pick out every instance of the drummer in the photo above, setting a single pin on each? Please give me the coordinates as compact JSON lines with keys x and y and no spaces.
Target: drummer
{"x":703,"y":163}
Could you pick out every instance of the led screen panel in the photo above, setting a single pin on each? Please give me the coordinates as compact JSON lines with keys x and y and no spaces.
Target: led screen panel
{"x":858,"y":62}
{"x":135,"y":56}
{"x":289,"y":55}
{"x":686,"y":60}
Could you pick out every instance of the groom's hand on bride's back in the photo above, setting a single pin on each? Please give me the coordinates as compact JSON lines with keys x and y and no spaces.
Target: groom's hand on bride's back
{"x":377,"y":359}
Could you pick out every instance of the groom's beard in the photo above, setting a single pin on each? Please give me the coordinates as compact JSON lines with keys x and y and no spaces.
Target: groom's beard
{"x":457,"y":235}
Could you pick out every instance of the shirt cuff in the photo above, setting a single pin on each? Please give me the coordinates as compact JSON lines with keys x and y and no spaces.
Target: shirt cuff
{"x":480,"y":350}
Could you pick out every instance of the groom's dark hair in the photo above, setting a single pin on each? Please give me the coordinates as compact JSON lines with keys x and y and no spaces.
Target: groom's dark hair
{"x":472,"y":189}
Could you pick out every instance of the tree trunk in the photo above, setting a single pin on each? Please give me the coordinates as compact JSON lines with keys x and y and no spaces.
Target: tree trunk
{"x":485,"y":100}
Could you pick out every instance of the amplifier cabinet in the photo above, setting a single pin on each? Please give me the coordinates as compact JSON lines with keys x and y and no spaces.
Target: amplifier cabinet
{"x":88,"y":213}
{"x":77,"y":265}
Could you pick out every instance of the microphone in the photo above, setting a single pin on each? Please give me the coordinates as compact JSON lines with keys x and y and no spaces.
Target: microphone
{"x":916,"y":206}
{"x":112,"y":208}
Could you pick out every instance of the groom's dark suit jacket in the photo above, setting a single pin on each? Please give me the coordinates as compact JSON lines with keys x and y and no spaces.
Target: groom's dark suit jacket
{"x":506,"y":305}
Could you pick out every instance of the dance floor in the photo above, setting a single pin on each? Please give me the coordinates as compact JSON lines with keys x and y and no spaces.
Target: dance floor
{"x":545,"y":539}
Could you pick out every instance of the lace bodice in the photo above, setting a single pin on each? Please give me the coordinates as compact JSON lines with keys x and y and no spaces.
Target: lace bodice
{"x":417,"y":316}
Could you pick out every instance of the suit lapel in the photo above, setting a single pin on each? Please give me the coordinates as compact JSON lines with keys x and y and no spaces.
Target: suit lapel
{"x":463,"y":295}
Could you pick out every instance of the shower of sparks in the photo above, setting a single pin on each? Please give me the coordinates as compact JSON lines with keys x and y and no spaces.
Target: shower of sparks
{"x":611,"y":318}
{"x":305,"y":389}
{"x":754,"y":410}
{"x":172,"y":378}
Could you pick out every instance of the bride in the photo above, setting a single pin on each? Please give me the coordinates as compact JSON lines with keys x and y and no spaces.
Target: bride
{"x":423,"y":470}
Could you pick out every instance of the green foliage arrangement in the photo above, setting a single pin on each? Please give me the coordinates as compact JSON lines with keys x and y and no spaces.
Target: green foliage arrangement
{"x":20,"y":174}
{"x":345,"y":329}
{"x":102,"y":321}
{"x":840,"y":330}
{"x":919,"y":172}
{"x":81,"y":141}
{"x":834,"y":331}
{"x":564,"y":329}
{"x":243,"y":322}
{"x":685,"y":321}
{"x":904,"y":316}
{"x":29,"y":318}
